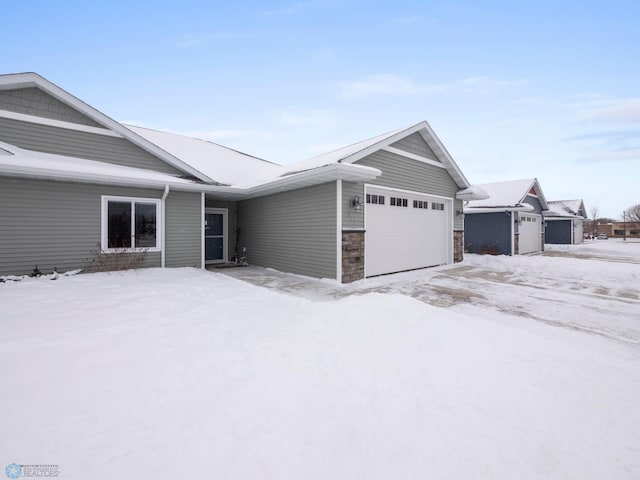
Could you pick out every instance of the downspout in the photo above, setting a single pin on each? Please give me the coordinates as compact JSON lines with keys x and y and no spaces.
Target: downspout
{"x":513,"y":233}
{"x":163,"y":231}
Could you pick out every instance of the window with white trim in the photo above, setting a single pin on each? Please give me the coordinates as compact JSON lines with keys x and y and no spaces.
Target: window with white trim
{"x":130,"y":224}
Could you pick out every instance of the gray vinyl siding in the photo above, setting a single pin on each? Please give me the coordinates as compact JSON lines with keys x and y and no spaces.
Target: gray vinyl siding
{"x":488,"y":233}
{"x":183,"y":237}
{"x":231,"y":220}
{"x":54,"y":224}
{"x":292,"y":231}
{"x":415,"y":144}
{"x":92,"y":146}
{"x":352,"y":218}
{"x":33,"y":101}
{"x":408,"y":174}
{"x":534,"y":202}
{"x":558,"y":231}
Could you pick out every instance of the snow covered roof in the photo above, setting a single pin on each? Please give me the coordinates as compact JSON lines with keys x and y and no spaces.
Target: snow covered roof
{"x":31,"y":79}
{"x":224,"y":165}
{"x":565,"y":208}
{"x":507,"y":195}
{"x":357,"y":151}
{"x":17,"y":161}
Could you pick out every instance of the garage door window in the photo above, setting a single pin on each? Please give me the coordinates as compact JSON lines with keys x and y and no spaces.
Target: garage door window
{"x":375,"y":199}
{"x":437,"y":206}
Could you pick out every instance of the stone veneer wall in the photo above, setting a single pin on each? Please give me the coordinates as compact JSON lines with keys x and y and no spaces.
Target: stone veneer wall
{"x":516,"y":244}
{"x":352,"y":255}
{"x":542,"y":242}
{"x":458,"y":246}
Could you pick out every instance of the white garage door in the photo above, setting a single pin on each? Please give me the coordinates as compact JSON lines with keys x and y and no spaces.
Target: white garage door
{"x":405,"y":231}
{"x":529,"y":233}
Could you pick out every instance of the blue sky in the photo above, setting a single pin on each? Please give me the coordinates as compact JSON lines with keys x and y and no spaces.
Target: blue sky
{"x":513,"y":89}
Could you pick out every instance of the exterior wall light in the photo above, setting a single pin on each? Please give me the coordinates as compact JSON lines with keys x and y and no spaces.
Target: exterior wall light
{"x":356,"y":202}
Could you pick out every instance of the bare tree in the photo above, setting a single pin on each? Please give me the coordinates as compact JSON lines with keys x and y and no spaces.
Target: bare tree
{"x":632,"y":216}
{"x":594,"y":220}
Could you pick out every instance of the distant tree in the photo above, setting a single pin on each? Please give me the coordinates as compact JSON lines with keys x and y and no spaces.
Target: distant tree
{"x":632,"y":215}
{"x":594,"y":220}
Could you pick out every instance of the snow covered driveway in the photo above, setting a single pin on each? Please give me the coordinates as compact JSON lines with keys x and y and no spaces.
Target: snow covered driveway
{"x":189,"y":374}
{"x":594,"y":287}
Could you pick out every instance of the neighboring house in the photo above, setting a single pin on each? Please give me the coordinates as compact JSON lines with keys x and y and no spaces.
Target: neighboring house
{"x":564,"y":222}
{"x":509,"y":222}
{"x":73,"y":181}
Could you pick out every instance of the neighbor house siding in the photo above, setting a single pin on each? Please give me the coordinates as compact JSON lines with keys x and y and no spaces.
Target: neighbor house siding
{"x":231,"y":220}
{"x":415,"y":144}
{"x":54,"y":224}
{"x":183,"y":240}
{"x":92,"y":146}
{"x":488,"y":233}
{"x":33,"y":101}
{"x":408,"y":174}
{"x":292,"y":231}
{"x":558,"y":231}
{"x":534,"y":202}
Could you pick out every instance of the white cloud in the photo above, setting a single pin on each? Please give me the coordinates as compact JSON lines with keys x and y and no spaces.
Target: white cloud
{"x":195,"y":40}
{"x":406,"y":20}
{"x":398,"y":85}
{"x":621,"y":112}
{"x":314,"y":118}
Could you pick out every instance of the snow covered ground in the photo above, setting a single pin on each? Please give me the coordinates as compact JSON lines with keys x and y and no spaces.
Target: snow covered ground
{"x":457,"y":372}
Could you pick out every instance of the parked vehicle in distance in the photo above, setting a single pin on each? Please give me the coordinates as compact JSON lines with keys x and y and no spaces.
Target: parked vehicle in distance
{"x":602,"y":236}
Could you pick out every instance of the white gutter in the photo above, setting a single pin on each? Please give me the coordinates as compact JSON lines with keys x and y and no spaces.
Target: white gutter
{"x":163,"y":228}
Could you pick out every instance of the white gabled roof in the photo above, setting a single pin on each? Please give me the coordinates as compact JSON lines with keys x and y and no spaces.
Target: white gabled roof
{"x":16,"y":161}
{"x":565,"y":208}
{"x":30,"y":79}
{"x":357,"y":151}
{"x":507,"y":195}
{"x":224,"y":165}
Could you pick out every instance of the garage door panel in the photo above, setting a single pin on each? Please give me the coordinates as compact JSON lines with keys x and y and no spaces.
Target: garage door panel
{"x":405,"y":237}
{"x":529,"y":235}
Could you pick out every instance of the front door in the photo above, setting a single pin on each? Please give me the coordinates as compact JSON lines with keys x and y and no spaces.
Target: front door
{"x":215,"y":233}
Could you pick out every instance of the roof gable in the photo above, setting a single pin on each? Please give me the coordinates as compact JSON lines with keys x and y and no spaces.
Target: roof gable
{"x":566,"y":208}
{"x":357,"y":151}
{"x":509,"y":194}
{"x":28,"y":81}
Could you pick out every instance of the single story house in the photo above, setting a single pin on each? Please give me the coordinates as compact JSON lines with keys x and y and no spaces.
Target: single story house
{"x":74,"y":181}
{"x":509,"y":222}
{"x":564,"y":222}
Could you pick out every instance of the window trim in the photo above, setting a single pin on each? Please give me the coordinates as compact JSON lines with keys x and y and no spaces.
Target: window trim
{"x":104,"y":223}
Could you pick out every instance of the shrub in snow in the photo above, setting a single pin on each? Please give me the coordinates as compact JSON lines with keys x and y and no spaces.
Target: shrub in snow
{"x":118,"y":259}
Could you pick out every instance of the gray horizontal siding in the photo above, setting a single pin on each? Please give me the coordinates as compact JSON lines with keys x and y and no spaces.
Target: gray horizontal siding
{"x":292,"y":231}
{"x":54,"y":224}
{"x":415,"y":144}
{"x":534,"y":202}
{"x":92,"y":146}
{"x":231,"y":220}
{"x":183,"y":230}
{"x":33,"y":101}
{"x":352,"y":218}
{"x":408,"y":174}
